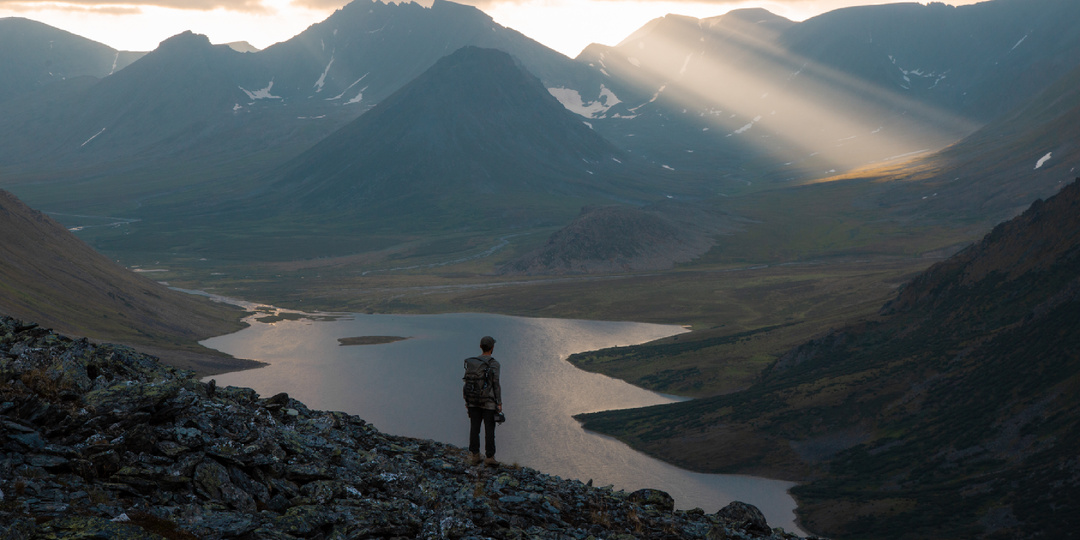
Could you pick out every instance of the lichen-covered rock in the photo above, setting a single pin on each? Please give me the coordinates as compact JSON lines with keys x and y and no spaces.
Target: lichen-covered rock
{"x":98,"y":441}
{"x":654,"y":498}
{"x":744,"y":516}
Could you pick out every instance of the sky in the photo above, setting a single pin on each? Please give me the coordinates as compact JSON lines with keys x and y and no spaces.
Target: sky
{"x":564,"y":25}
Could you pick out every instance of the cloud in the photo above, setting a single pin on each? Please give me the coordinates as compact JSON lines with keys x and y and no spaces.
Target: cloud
{"x":320,"y":4}
{"x":124,"y":7}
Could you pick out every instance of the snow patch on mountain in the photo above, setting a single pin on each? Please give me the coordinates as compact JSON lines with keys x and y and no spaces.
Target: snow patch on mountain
{"x":359,"y":97}
{"x":682,"y":70}
{"x":1018,"y":43}
{"x":346,"y":90}
{"x":322,"y":78}
{"x":263,"y":93}
{"x":908,"y":73}
{"x":87,"y":141}
{"x":746,"y":128}
{"x":654,"y":98}
{"x":572,"y":100}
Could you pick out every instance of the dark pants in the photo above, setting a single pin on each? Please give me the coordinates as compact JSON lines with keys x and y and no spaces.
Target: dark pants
{"x":487,"y":416}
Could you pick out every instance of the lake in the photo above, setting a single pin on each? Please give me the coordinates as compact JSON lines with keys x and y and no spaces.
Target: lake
{"x":413,"y":388}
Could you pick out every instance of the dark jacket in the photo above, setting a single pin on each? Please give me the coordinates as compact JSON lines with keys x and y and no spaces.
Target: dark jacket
{"x":495,"y":399}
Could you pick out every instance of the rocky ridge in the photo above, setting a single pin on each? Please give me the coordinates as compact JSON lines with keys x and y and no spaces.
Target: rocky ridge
{"x":102,"y":441}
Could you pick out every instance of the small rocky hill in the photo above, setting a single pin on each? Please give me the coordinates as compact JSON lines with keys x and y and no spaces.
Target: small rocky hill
{"x":97,"y":441}
{"x":623,"y":238}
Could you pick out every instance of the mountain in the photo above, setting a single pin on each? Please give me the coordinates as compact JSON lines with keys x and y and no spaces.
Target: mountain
{"x":190,"y":103}
{"x":168,"y":101}
{"x":475,"y":139}
{"x":978,"y":61}
{"x":993,"y":174}
{"x":165,"y":455}
{"x":35,"y":55}
{"x":48,"y":275}
{"x":772,"y":100}
{"x":953,"y":415}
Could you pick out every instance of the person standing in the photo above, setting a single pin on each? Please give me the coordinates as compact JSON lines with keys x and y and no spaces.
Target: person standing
{"x":483,"y":399}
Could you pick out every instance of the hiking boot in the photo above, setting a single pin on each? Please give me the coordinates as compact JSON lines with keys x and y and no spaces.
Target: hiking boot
{"x":475,"y":458}
{"x":490,"y":462}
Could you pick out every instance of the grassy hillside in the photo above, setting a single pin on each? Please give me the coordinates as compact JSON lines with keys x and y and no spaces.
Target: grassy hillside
{"x":49,"y":276}
{"x":952,"y":416}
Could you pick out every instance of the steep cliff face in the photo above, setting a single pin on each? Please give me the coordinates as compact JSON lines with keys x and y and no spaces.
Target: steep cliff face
{"x":99,"y":441}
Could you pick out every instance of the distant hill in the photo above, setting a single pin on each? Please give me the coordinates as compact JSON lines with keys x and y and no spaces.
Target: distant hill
{"x":473,"y":141}
{"x":35,"y":55}
{"x":49,"y":276}
{"x":951,"y":416}
{"x":613,"y":239}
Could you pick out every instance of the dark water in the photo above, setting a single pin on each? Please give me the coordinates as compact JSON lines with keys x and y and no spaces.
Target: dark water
{"x":413,"y":388}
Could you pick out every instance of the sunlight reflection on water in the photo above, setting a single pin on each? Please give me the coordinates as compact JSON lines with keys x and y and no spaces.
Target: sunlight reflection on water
{"x":413,"y":388}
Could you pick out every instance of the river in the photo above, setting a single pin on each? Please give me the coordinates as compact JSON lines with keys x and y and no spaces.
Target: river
{"x":413,"y":388}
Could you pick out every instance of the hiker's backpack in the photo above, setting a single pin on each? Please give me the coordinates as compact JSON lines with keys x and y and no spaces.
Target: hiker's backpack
{"x":479,"y":382}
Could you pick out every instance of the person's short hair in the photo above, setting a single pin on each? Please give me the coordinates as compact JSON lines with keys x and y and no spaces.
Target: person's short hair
{"x":487,"y":343}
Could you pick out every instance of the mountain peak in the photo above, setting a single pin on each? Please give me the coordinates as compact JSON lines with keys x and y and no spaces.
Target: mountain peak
{"x":186,"y":38}
{"x":753,"y":16}
{"x":446,"y":6}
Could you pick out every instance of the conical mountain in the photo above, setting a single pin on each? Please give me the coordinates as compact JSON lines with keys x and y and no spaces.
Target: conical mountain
{"x":474,"y":131}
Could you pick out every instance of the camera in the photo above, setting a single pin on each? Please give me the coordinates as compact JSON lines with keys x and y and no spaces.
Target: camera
{"x":500,"y":418}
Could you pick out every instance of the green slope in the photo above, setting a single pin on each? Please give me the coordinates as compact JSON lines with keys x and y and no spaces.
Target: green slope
{"x":953,"y":416}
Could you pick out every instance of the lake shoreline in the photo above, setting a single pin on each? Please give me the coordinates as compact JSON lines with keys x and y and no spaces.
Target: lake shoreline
{"x":548,"y":462}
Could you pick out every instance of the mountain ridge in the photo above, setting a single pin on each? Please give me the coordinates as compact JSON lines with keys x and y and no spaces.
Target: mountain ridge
{"x":35,"y":55}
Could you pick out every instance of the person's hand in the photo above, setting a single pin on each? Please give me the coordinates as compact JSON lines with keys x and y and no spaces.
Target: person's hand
{"x":500,"y":407}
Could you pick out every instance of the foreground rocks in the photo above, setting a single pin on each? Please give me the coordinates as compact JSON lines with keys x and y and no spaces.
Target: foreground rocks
{"x":98,"y":441}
